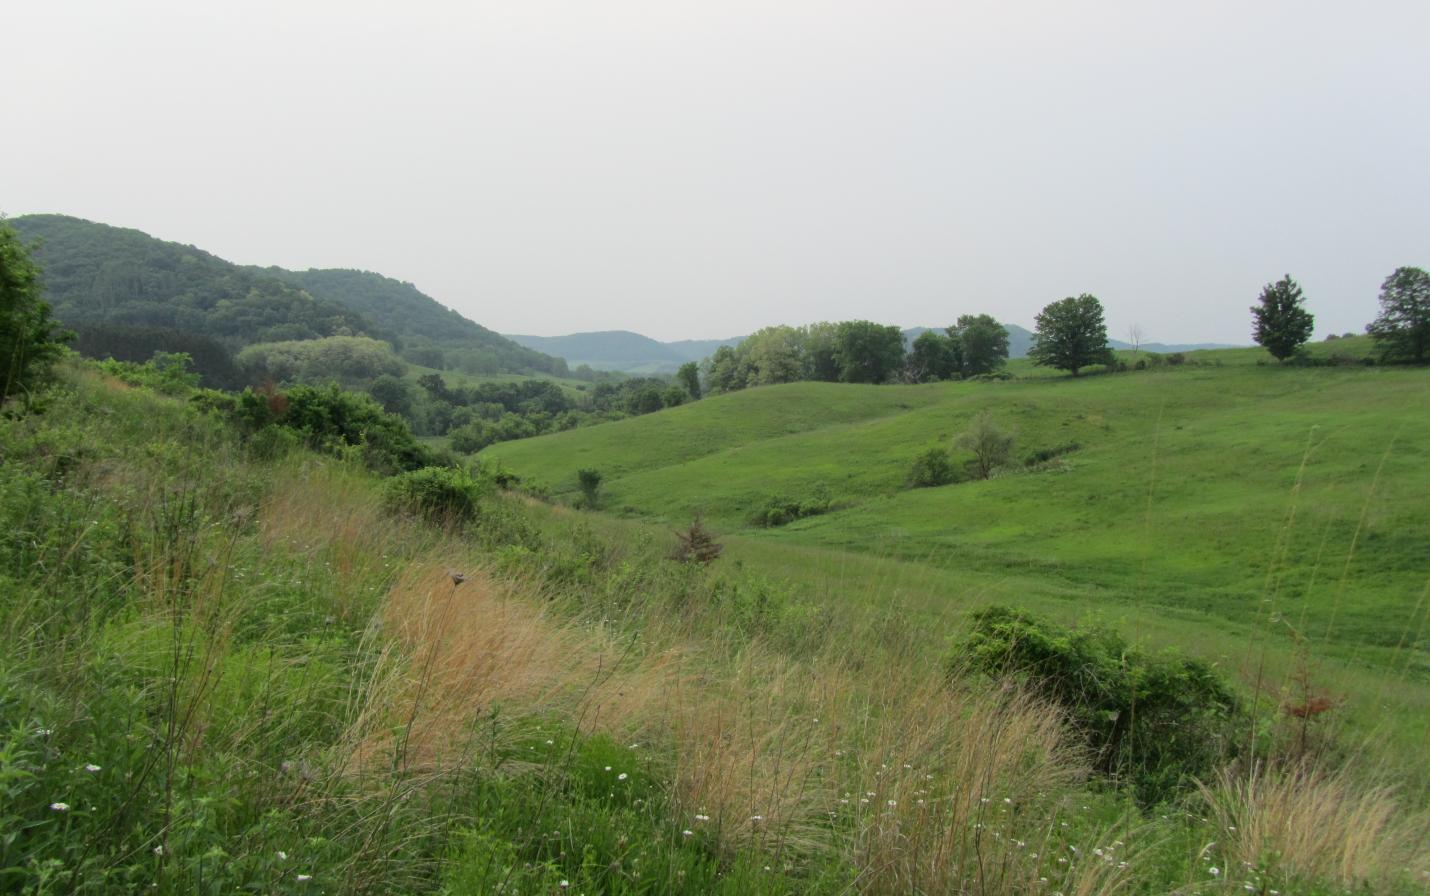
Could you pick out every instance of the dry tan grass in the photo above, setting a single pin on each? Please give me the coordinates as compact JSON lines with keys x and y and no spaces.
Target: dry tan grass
{"x":1310,"y":822}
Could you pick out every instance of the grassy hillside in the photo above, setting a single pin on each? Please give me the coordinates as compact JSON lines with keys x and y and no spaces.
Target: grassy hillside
{"x":234,"y":664}
{"x":1187,"y":490}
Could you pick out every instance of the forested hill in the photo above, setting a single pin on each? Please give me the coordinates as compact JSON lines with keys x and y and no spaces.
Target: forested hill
{"x":99,"y":276}
{"x":428,"y":333}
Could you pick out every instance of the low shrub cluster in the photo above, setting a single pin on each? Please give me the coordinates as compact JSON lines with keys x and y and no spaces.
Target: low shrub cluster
{"x":444,"y":495}
{"x":1156,"y":722}
{"x":932,"y":468}
{"x":778,"y":510}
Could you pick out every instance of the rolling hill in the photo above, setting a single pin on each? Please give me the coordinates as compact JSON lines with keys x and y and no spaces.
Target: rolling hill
{"x":1171,"y":492}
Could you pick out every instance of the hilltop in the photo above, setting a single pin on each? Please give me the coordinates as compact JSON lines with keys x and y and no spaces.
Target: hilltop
{"x":100,"y":276}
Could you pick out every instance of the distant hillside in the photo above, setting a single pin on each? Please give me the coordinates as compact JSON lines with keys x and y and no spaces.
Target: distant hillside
{"x":99,"y":276}
{"x":426,"y":332}
{"x":623,"y":350}
{"x":1020,"y":340}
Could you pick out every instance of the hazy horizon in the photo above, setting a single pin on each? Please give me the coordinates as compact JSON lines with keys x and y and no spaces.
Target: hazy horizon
{"x":696,"y":172}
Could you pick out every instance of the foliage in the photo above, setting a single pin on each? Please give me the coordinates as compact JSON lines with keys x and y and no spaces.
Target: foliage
{"x":697,"y":544}
{"x":866,"y":352}
{"x":209,"y":358}
{"x":990,"y":444}
{"x":689,"y":377}
{"x":348,"y":360}
{"x":934,"y":356}
{"x":1281,"y":323}
{"x":338,"y":422}
{"x":1402,"y":328}
{"x":108,"y":275}
{"x":778,"y":510}
{"x":1156,"y":722}
{"x":1070,"y":334}
{"x":423,"y":331}
{"x":167,"y":372}
{"x":982,"y":343}
{"x":589,"y":482}
{"x":440,"y":494}
{"x":932,"y":468}
{"x":30,"y":341}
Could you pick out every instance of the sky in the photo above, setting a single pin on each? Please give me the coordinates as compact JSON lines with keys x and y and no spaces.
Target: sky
{"x":700,"y":170}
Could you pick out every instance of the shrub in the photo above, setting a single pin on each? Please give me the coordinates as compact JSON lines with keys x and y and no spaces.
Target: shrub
{"x":991,"y":444}
{"x":333,"y":420}
{"x":1154,"y":722}
{"x":1043,"y":455}
{"x":589,"y":482}
{"x":933,"y":467}
{"x":779,"y":510}
{"x":1176,"y":358}
{"x":435,"y":493}
{"x":697,"y":544}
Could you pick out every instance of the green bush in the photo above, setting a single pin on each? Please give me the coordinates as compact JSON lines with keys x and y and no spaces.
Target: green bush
{"x":1153,"y":722}
{"x":779,"y":510}
{"x":933,"y":467}
{"x":332,"y":420}
{"x":435,"y":493}
{"x":1044,"y":455}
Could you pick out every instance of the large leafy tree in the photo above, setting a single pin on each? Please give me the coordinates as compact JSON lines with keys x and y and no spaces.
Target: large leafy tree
{"x":867,"y":352}
{"x":934,"y":356}
{"x":1071,"y":334}
{"x":689,"y":377}
{"x":982,"y":343}
{"x":1280,"y":320}
{"x":1402,"y":329}
{"x":30,"y":340}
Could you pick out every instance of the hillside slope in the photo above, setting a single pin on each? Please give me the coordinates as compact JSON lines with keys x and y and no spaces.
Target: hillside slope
{"x":1177,"y":494}
{"x":425,"y":331}
{"x":97,"y":274}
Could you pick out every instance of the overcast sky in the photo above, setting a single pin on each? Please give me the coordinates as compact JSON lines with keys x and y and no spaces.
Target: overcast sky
{"x":695,"y":170}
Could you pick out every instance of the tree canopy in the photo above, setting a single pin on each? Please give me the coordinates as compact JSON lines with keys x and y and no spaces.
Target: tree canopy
{"x":982,"y":343}
{"x":1070,"y":334}
{"x":1402,"y":329}
{"x":29,"y":339}
{"x":1281,"y":322}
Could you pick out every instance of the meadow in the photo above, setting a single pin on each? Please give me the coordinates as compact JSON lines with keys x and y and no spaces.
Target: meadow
{"x":234,"y":663}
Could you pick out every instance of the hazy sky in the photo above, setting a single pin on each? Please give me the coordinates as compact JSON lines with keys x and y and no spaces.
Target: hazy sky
{"x":703,"y":169}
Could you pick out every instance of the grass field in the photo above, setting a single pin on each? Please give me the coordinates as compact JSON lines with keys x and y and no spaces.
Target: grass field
{"x":235,"y":664}
{"x":1216,"y":507}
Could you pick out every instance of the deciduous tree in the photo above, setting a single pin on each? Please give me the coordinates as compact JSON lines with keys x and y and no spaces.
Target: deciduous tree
{"x":1402,"y":329}
{"x":982,"y":343}
{"x":30,"y":340}
{"x":1281,"y":322}
{"x":1070,"y":334}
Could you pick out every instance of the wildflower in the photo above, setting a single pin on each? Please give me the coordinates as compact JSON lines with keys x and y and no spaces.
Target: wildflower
{"x":687,"y":833}
{"x":622,"y":776}
{"x":60,"y":807}
{"x":1214,"y":871}
{"x":91,"y":768}
{"x":757,"y":818}
{"x":159,"y":850}
{"x":893,"y":803}
{"x":282,"y":856}
{"x":702,"y":818}
{"x":304,"y":878}
{"x":565,"y":884}
{"x":608,"y":768}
